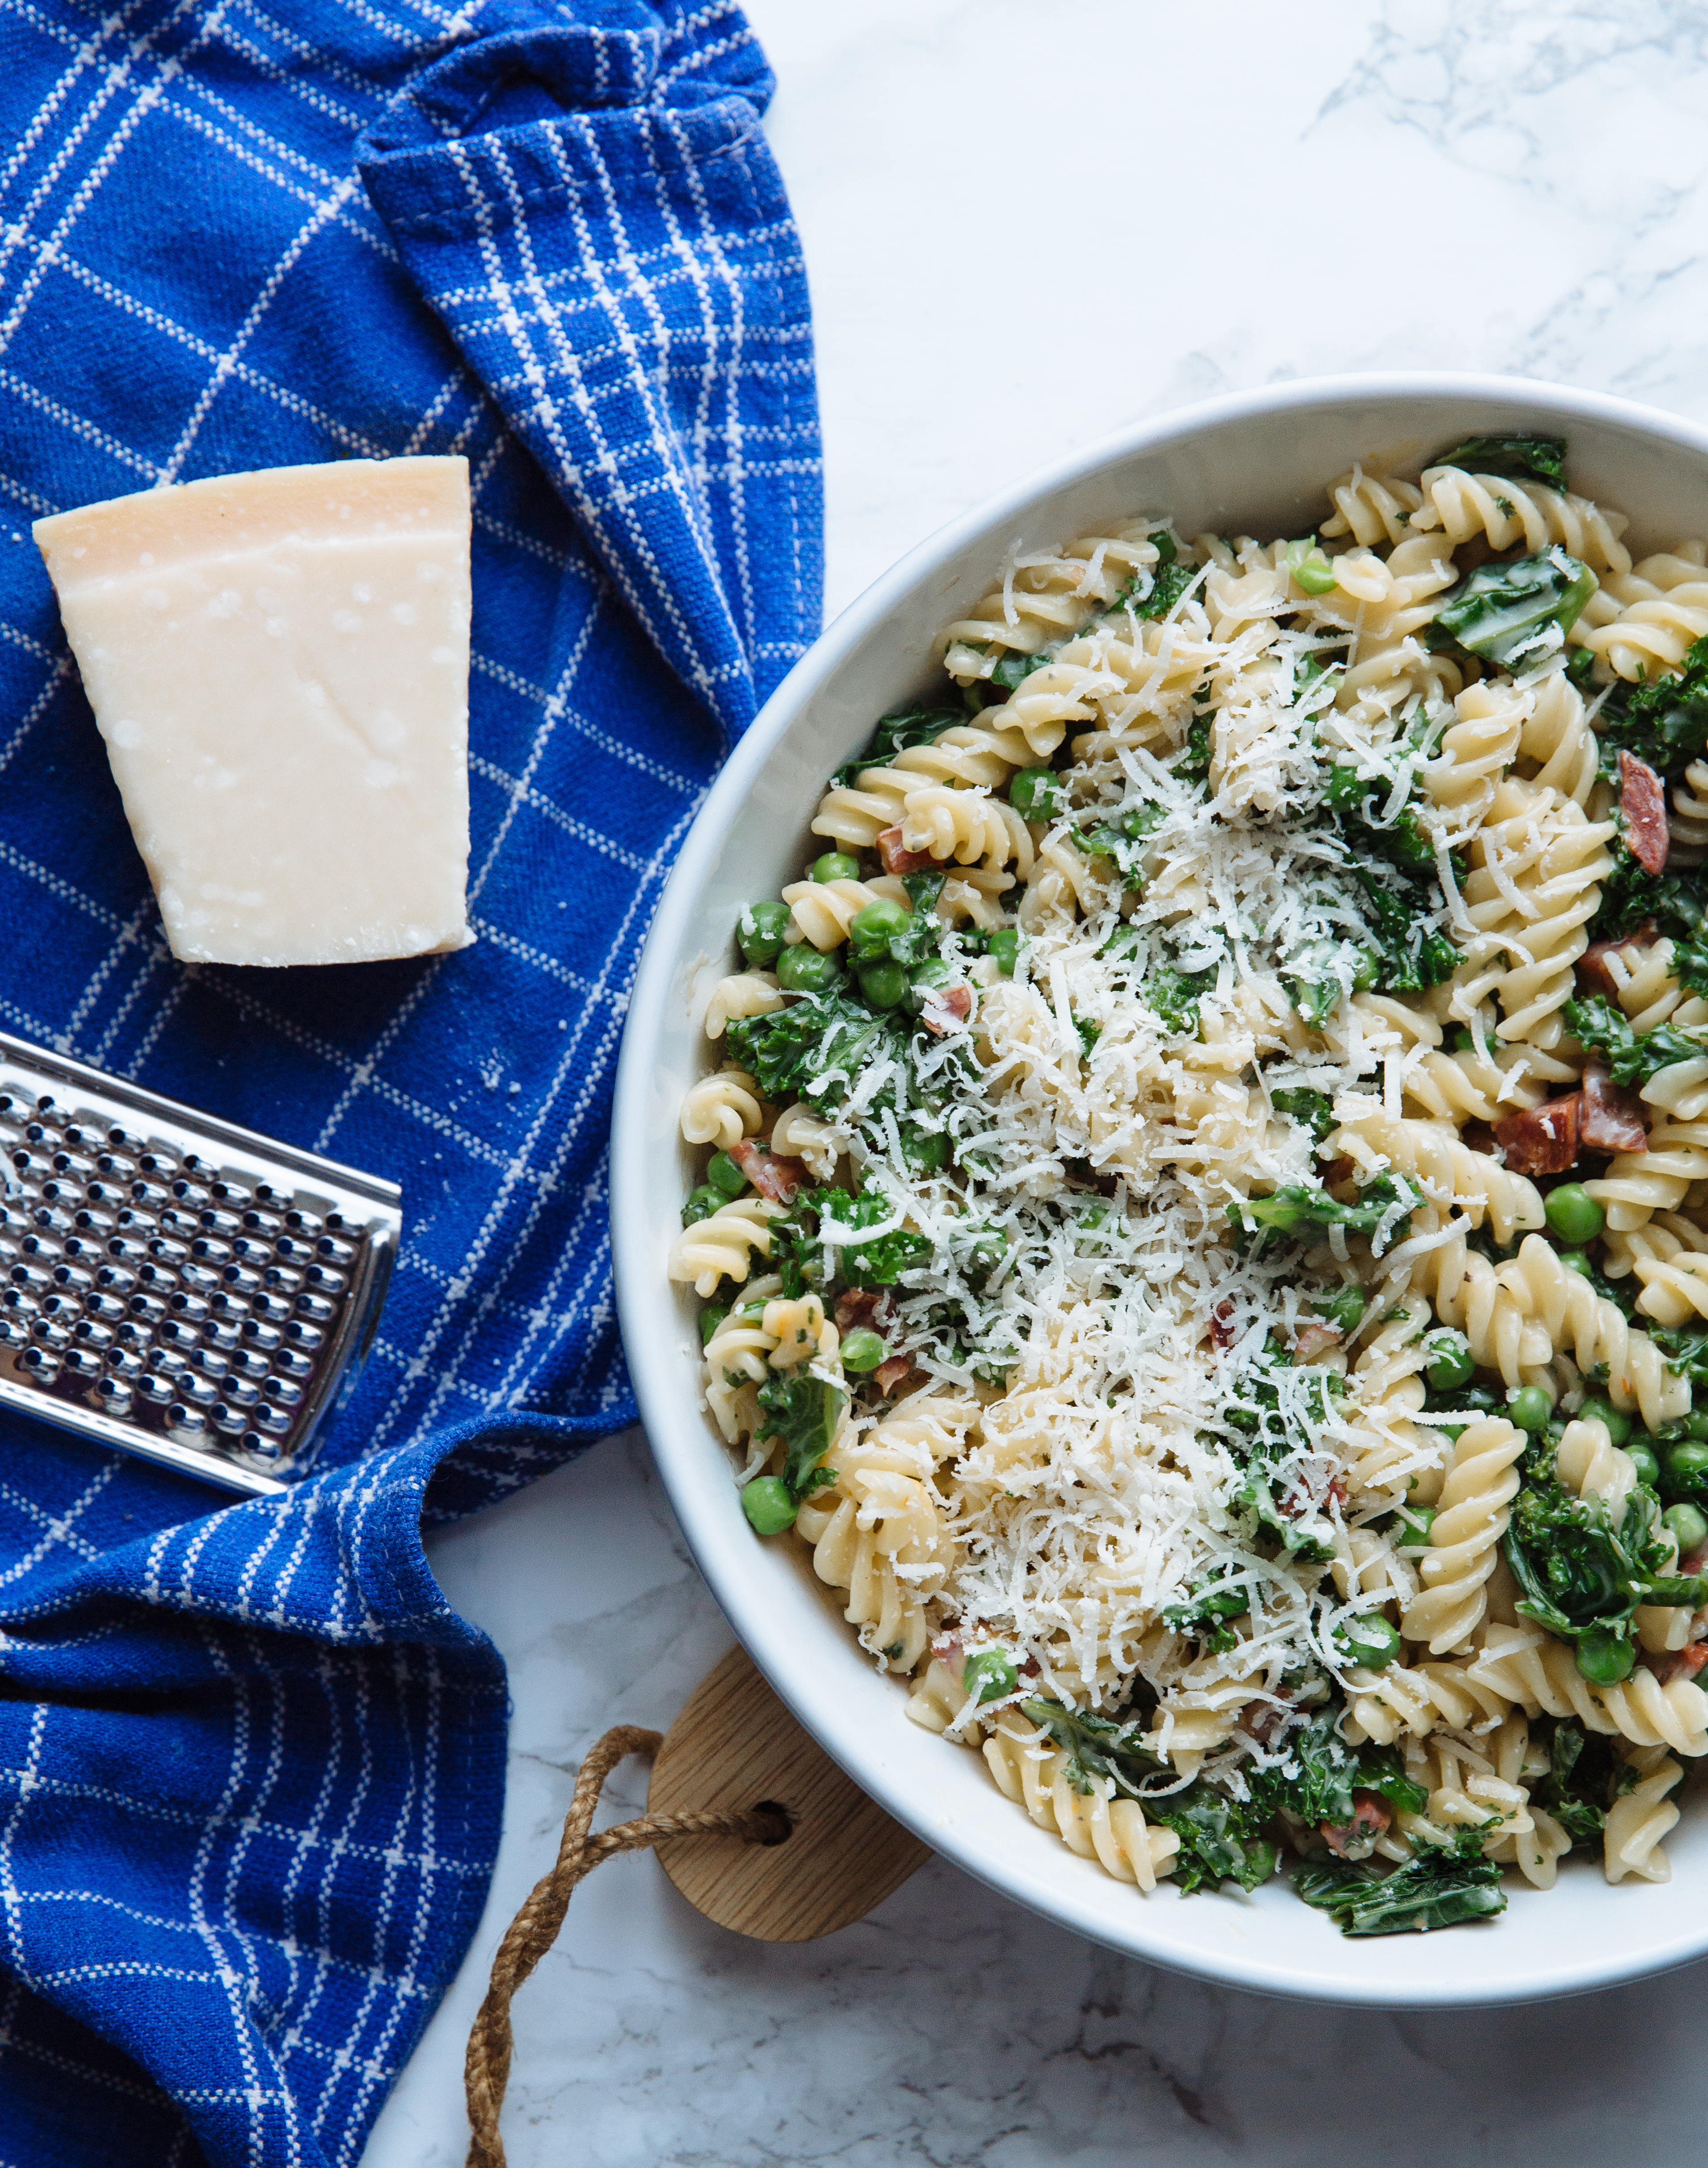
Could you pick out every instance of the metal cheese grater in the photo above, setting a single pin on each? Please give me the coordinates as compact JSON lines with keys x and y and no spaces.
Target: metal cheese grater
{"x":176,"y":1286}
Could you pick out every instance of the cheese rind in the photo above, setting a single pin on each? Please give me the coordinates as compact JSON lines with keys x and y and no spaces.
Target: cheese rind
{"x":278,"y":663}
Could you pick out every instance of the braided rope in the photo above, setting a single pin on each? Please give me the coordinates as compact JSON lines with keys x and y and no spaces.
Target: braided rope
{"x":531,"y":1932}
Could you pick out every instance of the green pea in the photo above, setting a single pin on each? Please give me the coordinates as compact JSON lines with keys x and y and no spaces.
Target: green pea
{"x":1036,"y":793}
{"x":762,"y":929}
{"x":870,"y":931}
{"x":1371,"y":1641}
{"x":1578,"y":1261}
{"x":883,"y":984}
{"x":804,"y":969}
{"x":1450,"y":1362}
{"x":1696,"y":1422}
{"x":990,"y":1676}
{"x":863,"y":1350}
{"x":1574,"y":1215}
{"x":836,"y":865}
{"x":723,"y":1173}
{"x":701,"y":1204}
{"x":1618,"y":1425}
{"x":711,"y":1317}
{"x":1529,"y":1408}
{"x":1689,"y":1525}
{"x":925,"y":1150}
{"x":768,"y":1505}
{"x":1346,"y":1309}
{"x":1686,"y":1465}
{"x":1310,"y":567}
{"x":935,"y":971}
{"x":1003,"y":948}
{"x":1648,"y":1466}
{"x":1604,"y":1658}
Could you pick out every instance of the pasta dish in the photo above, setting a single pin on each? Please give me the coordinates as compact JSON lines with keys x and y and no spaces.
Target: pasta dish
{"x":1202,"y":1213}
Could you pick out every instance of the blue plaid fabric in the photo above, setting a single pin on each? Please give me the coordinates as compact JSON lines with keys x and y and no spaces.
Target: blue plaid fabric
{"x":250,"y":1765}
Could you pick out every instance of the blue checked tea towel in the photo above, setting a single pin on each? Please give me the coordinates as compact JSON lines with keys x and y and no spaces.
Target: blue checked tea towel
{"x":251,"y":1764}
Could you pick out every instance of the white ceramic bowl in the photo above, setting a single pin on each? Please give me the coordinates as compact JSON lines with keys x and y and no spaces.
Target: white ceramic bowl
{"x":1256,"y":463}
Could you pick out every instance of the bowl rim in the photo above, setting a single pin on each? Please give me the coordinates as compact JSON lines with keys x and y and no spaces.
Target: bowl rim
{"x":675,"y":1433}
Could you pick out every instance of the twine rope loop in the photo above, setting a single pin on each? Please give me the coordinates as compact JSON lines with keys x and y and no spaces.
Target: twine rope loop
{"x":531,"y":1932}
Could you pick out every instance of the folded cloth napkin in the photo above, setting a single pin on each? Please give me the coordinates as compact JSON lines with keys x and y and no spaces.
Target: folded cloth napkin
{"x":251,"y":1763}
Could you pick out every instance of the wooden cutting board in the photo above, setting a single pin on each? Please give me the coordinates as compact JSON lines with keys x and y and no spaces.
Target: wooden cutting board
{"x":735,"y":1745}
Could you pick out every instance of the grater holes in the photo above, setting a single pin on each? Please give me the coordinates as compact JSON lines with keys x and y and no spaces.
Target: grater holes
{"x":157,"y":1285}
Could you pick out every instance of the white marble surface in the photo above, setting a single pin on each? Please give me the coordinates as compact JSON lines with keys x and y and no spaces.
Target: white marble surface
{"x":1026,"y":224}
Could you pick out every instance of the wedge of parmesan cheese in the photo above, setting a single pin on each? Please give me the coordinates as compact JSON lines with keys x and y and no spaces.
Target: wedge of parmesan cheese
{"x":278,"y":663}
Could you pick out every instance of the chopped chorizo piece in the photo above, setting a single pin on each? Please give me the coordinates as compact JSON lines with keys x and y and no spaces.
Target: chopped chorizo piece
{"x":897,"y":859}
{"x":1313,"y":1340}
{"x":1643,"y":802}
{"x":862,"y":1306}
{"x":776,"y":1178}
{"x":1593,"y":973}
{"x":944,"y":1007}
{"x":1357,"y":1839}
{"x":1270,"y":1717}
{"x":1542,"y":1140}
{"x":1612,"y":1116}
{"x":1679,"y":1663}
{"x":1221,"y":1323}
{"x":889,"y":1373}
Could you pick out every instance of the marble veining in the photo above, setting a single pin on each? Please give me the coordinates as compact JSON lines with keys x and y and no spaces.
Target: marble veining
{"x":1025,"y":227}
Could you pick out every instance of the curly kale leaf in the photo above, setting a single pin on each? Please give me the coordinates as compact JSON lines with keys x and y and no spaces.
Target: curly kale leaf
{"x":1583,"y":1576}
{"x":880,"y":1263}
{"x":1441,"y":1886}
{"x":803,"y":1413}
{"x":1665,"y":723}
{"x":1690,"y":965}
{"x":1633,"y":1056}
{"x":1396,"y":870}
{"x":1204,"y":1615}
{"x":1121,"y":837}
{"x":1578,"y":1788}
{"x":789,"y":1048}
{"x":1168,"y":577}
{"x":1301,"y":1532}
{"x":1685,"y":1347}
{"x":907,"y":726}
{"x":1632,"y":896}
{"x":1410,"y":957}
{"x":1315,"y":1109}
{"x":1094,"y":1745}
{"x":1316,"y":1783}
{"x":1513,"y":611}
{"x":1299,"y":1209}
{"x":1274,"y":1425}
{"x":803,"y":1261}
{"x":1514,"y":459}
{"x":1192,"y":762}
{"x":1349,"y":795}
{"x":1174,"y":996}
{"x":1221,"y":1840}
